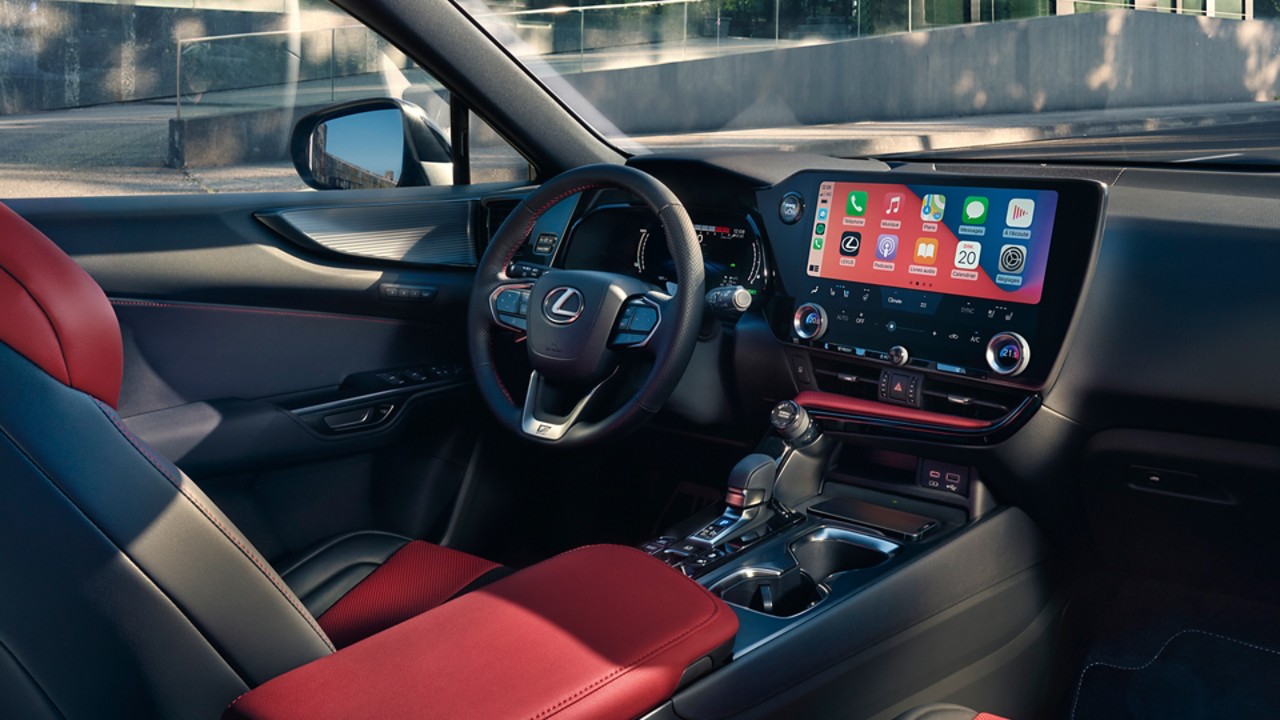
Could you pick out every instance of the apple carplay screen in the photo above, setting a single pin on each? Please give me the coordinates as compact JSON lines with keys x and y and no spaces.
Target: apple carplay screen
{"x":936,"y":269}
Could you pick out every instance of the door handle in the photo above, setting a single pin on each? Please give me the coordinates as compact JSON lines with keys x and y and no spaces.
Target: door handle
{"x":359,"y":418}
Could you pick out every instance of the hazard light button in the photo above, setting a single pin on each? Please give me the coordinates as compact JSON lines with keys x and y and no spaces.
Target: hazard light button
{"x":900,"y":387}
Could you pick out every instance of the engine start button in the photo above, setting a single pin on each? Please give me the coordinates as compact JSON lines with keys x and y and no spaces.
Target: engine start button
{"x":791,"y":208}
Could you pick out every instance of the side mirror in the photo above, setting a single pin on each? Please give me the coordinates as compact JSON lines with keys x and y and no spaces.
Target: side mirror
{"x":379,"y":143}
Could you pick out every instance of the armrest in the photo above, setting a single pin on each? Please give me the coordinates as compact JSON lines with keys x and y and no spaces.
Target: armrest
{"x":599,"y":632}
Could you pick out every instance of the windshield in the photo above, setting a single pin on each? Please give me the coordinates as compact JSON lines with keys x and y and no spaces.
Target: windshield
{"x":1142,"y":80}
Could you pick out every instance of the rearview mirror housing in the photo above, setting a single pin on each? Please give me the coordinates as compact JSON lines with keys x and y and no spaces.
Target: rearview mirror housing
{"x":372,"y":143}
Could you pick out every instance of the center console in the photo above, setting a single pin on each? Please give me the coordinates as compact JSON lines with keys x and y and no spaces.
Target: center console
{"x":827,"y":549}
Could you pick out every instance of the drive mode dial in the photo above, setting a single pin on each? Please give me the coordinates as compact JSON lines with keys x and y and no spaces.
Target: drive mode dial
{"x":810,"y":321}
{"x":1008,"y":353}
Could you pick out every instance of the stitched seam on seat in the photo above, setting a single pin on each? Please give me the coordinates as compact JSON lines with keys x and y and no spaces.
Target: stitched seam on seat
{"x":66,"y":366}
{"x":32,"y":679}
{"x":242,"y":676}
{"x":248,"y":554}
{"x":631,"y":665}
{"x":255,"y":311}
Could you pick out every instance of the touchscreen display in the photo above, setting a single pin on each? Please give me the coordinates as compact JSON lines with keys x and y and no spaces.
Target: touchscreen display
{"x":937,"y":270}
{"x":986,"y":243}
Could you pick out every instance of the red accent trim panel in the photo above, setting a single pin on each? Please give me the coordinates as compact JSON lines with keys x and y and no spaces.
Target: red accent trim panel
{"x":814,"y":400}
{"x":54,"y":314}
{"x":599,"y":632}
{"x":988,"y":716}
{"x":418,"y":577}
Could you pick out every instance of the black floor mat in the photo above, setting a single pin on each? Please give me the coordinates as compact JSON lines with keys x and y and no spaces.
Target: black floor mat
{"x":1196,"y":675}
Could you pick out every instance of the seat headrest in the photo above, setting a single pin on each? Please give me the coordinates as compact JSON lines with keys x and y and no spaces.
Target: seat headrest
{"x":54,"y":314}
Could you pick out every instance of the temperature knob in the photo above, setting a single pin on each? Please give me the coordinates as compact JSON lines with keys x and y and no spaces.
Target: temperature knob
{"x":1008,"y":353}
{"x":810,"y":321}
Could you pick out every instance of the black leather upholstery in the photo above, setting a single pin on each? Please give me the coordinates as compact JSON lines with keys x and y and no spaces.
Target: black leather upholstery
{"x":939,"y":711}
{"x":323,"y":574}
{"x":128,"y":594}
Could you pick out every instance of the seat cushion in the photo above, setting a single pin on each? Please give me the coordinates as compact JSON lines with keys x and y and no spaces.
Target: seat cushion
{"x":364,"y":582}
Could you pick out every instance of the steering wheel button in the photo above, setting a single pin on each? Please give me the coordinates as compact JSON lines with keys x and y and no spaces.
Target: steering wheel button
{"x":645,"y":320}
{"x":508,"y":301}
{"x":628,"y":317}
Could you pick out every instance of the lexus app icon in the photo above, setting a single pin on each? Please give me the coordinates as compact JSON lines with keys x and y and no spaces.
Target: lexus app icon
{"x":887,"y":247}
{"x":850,"y":244}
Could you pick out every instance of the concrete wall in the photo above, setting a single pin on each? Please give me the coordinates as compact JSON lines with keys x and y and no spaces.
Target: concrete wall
{"x":1093,"y":61}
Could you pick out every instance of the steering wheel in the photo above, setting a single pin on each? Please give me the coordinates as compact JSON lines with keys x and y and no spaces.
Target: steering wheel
{"x":580,"y":326}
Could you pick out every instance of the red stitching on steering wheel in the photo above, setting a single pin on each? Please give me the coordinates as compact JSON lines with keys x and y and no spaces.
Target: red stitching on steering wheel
{"x":524,"y":236}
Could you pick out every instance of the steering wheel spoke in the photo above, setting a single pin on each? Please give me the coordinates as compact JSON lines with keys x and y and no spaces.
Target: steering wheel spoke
{"x":509,"y":306}
{"x":543,"y":423}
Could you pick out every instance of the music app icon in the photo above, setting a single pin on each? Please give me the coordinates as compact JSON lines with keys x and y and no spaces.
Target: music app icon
{"x":893,"y":203}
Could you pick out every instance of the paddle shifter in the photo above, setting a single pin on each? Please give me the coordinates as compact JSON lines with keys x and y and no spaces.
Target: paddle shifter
{"x":750,"y":488}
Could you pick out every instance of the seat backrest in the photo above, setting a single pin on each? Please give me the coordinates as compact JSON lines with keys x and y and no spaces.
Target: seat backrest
{"x":127,"y":592}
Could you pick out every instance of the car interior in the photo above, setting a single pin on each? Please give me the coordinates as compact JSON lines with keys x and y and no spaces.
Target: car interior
{"x":697,"y":434}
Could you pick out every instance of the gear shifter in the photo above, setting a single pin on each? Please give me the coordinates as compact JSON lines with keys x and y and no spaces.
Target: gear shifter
{"x":750,"y":488}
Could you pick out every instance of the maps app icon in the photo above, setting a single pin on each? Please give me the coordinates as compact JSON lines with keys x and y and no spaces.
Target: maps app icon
{"x":932,"y":208}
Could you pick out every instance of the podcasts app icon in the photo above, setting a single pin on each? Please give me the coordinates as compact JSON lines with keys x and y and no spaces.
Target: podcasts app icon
{"x":887,"y":247}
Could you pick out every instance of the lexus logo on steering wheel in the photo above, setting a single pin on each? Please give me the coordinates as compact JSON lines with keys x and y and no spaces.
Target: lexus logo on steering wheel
{"x":563,"y":305}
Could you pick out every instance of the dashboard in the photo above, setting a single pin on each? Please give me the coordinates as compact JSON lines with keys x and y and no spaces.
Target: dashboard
{"x":949,"y":294}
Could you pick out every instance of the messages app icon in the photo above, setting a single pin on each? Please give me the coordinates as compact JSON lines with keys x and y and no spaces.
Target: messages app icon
{"x":857,"y":205}
{"x":975,"y":210}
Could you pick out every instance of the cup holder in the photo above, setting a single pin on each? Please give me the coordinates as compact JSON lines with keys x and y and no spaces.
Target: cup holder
{"x":784,"y":594}
{"x":820,"y":557}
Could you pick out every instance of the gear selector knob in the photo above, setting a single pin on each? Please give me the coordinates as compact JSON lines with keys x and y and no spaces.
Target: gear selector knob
{"x":751,"y":481}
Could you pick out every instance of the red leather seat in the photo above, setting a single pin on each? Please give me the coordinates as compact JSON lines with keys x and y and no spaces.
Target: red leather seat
{"x":130,"y":593}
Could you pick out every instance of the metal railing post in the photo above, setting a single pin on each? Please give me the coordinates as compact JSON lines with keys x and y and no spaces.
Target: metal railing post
{"x":178,"y":82}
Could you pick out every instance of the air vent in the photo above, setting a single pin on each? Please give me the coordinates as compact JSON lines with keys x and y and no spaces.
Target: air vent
{"x":496,"y":212}
{"x":862,"y":381}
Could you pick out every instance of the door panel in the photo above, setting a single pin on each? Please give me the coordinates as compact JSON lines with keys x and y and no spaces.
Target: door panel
{"x":286,"y":379}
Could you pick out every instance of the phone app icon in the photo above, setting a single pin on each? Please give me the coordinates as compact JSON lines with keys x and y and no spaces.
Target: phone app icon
{"x":967,"y":253}
{"x":1021,"y":210}
{"x":817,"y":243}
{"x":932,"y":208}
{"x":975,"y":210}
{"x":887,"y":247}
{"x":850,"y":244}
{"x":1013,"y":258}
{"x":857,"y":204}
{"x":926,"y":251}
{"x":822,"y":213}
{"x":893,"y":203}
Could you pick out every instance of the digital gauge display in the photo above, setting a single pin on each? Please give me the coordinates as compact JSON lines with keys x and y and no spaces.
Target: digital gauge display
{"x":732,"y":256}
